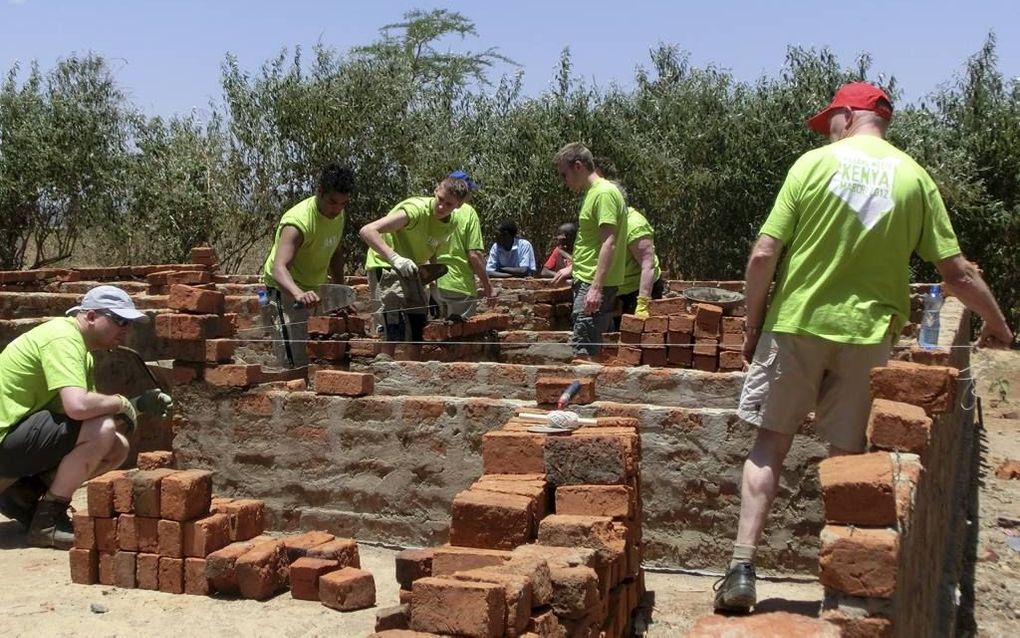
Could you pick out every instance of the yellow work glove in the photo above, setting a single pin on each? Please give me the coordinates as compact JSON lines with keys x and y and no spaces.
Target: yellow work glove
{"x":642,"y":307}
{"x":127,"y":413}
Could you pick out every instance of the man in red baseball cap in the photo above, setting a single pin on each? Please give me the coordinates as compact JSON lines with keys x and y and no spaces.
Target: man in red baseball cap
{"x":841,"y":233}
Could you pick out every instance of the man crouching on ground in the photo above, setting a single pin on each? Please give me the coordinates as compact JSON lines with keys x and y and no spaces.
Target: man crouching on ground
{"x":51,"y":417}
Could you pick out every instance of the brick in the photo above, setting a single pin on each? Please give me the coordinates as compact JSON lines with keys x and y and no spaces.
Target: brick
{"x":347,"y":589}
{"x":653,"y":339}
{"x":615,"y":501}
{"x":705,"y":363}
{"x":189,"y":277}
{"x":404,"y":597}
{"x":123,"y":493}
{"x":363,"y":347}
{"x":185,"y":495}
{"x":667,"y":306}
{"x":99,"y":494}
{"x":510,"y":452}
{"x":298,"y":545}
{"x":859,"y":562}
{"x":346,"y":384}
{"x":734,"y":325}
{"x":262,"y":570}
{"x":575,"y":590}
{"x":930,"y":387}
{"x":84,"y":565}
{"x":107,"y":575}
{"x":591,"y":532}
{"x":777,"y":623}
{"x":195,"y":582}
{"x":206,"y":535}
{"x":679,"y":356}
{"x":203,"y":255}
{"x":857,"y":626}
{"x":436,"y":331}
{"x":146,"y":491}
{"x":731,"y":341}
{"x":536,"y":570}
{"x":447,"y":606}
{"x":491,"y":520}
{"x":171,"y":575}
{"x":706,"y":346}
{"x":202,"y":350}
{"x":326,"y":350}
{"x":343,"y":550}
{"x":517,"y":595}
{"x":586,"y":460}
{"x":171,"y":538}
{"x":858,"y":489}
{"x":536,"y":490}
{"x":675,"y":338}
{"x":449,"y":559}
{"x":731,"y":360}
{"x":656,"y":324}
{"x":326,"y":325}
{"x":106,"y":534}
{"x":681,"y":323}
{"x":221,"y":567}
{"x":655,"y":356}
{"x":127,"y":533}
{"x":394,"y":617}
{"x":147,"y":574}
{"x":247,"y":517}
{"x":84,"y":530}
{"x":707,"y":320}
{"x":549,"y":389}
{"x":629,"y":355}
{"x":124,"y":570}
{"x":630,"y":338}
{"x":188,"y":327}
{"x":233,"y":375}
{"x":185,"y":298}
{"x":412,"y":564}
{"x":147,"y":534}
{"x":632,"y":324}
{"x":304,"y":576}
{"x":155,"y":460}
{"x":545,"y":623}
{"x":898,"y":426}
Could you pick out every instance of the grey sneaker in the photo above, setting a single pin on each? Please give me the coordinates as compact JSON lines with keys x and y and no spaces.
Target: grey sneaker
{"x":51,"y":526}
{"x":734,"y":592}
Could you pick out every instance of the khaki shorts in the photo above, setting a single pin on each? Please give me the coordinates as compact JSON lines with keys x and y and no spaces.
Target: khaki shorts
{"x":791,"y":375}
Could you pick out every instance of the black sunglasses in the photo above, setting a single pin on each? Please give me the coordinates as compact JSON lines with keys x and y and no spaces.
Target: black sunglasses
{"x":117,"y":319}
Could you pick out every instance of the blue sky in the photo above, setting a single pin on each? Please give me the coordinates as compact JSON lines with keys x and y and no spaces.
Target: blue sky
{"x":166,"y":54}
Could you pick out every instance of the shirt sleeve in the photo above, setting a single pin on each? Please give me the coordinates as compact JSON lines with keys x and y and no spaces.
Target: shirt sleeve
{"x":473,"y":234}
{"x":490,"y":263}
{"x":782,"y":221}
{"x":550,"y":263}
{"x":63,"y":364}
{"x":608,"y":209}
{"x":938,"y":240}
{"x":526,"y":255}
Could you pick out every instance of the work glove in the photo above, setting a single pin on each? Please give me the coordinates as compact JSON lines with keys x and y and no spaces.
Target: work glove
{"x":403,"y":265}
{"x":642,"y":307}
{"x":153,"y":402}
{"x":127,"y":413}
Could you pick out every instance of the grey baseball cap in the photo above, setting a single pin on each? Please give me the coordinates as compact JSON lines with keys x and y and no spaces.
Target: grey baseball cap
{"x":109,"y":298}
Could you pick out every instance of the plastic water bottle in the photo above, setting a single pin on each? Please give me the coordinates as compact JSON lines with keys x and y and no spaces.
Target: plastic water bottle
{"x":263,"y":296}
{"x":929,"y":338}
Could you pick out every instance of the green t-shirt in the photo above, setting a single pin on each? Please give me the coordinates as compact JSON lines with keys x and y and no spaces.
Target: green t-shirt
{"x":849,"y":215}
{"x":637,"y":228}
{"x":320,"y":237}
{"x":422,"y":237}
{"x":603,"y":204}
{"x":467,"y":236}
{"x":36,"y":365}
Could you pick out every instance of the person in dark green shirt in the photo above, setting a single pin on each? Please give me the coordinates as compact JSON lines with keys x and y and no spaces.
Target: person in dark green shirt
{"x":51,"y":416}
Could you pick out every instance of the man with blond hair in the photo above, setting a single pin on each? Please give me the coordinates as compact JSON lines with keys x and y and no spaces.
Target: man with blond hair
{"x":599,"y":250}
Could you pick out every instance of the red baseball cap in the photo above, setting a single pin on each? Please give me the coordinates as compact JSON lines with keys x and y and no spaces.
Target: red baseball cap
{"x":856,"y":95}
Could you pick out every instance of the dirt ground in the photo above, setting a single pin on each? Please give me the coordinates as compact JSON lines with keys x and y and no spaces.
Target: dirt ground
{"x":37,"y":598}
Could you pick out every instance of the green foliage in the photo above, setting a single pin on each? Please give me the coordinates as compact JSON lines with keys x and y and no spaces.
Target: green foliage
{"x":700,"y":153}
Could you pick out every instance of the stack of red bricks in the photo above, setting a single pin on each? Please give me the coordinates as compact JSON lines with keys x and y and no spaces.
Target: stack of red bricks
{"x":552,"y":308}
{"x":197,"y":273}
{"x":461,"y":340}
{"x":671,"y":336}
{"x":154,"y":528}
{"x":869,"y":498}
{"x":330,"y":336}
{"x":547,"y":541}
